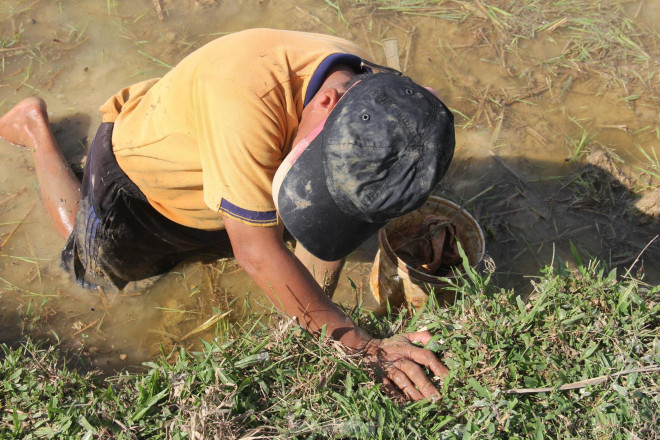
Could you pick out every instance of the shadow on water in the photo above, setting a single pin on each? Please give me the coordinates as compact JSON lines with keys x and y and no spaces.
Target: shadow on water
{"x":588,"y":209}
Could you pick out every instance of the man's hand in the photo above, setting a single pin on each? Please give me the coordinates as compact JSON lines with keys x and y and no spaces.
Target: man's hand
{"x":400,"y":363}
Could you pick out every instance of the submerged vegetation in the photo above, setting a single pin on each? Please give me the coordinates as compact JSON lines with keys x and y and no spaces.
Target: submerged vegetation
{"x":580,"y":358}
{"x":600,"y":32}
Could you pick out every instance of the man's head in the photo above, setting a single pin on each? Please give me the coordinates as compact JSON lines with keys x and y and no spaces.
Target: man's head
{"x":384,"y":146}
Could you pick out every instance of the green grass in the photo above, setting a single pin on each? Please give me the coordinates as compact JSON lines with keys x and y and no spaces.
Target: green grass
{"x":280,"y":382}
{"x":650,"y":170}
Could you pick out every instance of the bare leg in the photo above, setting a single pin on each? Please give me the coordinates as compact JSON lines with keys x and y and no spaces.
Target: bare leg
{"x":26,"y":125}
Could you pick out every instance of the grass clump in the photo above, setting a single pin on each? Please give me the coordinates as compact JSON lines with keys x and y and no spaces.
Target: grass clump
{"x":264,"y":382}
{"x":575,"y":326}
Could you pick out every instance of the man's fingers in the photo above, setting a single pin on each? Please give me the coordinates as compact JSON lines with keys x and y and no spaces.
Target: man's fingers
{"x":403,"y":382}
{"x":416,"y":375}
{"x":403,"y":364}
{"x":426,"y":357}
{"x":391,"y":389}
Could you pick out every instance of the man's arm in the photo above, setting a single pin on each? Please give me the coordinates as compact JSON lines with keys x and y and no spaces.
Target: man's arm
{"x":292,"y":289}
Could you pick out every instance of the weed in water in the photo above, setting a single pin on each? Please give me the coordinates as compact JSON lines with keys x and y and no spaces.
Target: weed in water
{"x":579,"y":146}
{"x":651,"y":171}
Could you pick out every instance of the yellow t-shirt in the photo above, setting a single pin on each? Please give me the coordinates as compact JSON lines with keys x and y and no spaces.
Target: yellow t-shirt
{"x":209,"y":136}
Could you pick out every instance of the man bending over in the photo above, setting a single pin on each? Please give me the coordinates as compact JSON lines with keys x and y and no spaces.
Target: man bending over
{"x":254,"y":132}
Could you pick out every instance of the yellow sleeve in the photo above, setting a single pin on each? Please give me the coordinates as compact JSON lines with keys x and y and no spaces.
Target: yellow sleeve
{"x":240,"y":141}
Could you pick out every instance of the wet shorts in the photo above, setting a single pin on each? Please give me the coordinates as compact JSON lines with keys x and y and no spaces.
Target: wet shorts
{"x":118,"y":236}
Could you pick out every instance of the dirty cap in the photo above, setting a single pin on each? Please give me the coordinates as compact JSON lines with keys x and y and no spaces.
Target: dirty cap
{"x":378,"y":156}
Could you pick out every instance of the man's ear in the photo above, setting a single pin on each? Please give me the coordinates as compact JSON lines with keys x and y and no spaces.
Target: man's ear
{"x":325,"y":100}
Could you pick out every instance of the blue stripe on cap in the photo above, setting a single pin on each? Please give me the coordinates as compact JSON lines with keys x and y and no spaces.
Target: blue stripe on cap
{"x":322,"y":71}
{"x":263,"y":218}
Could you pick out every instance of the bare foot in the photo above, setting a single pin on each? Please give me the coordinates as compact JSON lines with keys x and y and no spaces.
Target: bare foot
{"x":25,"y":123}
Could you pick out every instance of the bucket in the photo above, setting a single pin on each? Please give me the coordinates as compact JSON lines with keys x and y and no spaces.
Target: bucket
{"x":394,"y":280}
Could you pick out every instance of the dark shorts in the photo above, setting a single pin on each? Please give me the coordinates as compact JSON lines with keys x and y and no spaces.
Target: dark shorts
{"x":118,"y":236}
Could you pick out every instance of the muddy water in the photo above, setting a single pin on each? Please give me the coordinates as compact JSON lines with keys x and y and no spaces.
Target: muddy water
{"x":516,"y":168}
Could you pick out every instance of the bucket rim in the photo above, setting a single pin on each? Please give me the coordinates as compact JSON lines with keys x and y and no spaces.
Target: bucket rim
{"x":385,"y":245}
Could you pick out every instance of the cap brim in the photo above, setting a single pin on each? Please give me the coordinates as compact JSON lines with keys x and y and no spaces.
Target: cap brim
{"x":320,"y":226}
